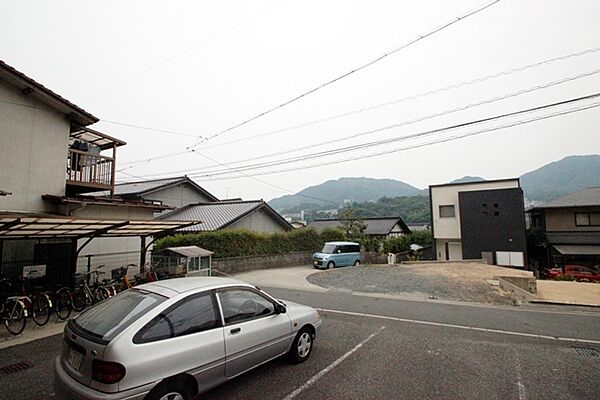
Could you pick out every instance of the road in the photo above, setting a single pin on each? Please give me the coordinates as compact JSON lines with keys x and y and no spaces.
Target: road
{"x":374,"y":348}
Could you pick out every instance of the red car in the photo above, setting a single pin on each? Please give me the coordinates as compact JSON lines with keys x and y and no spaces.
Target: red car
{"x":578,"y":272}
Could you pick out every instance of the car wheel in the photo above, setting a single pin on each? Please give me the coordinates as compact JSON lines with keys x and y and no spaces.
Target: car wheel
{"x":302,"y":346}
{"x":356,"y":263}
{"x":170,"y":391}
{"x":330,"y":265}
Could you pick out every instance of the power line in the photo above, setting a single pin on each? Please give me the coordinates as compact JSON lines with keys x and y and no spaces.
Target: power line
{"x":402,"y":138}
{"x":264,"y":182}
{"x":361,"y":110}
{"x":421,"y":119}
{"x":407,"y":98}
{"x":376,"y":130}
{"x":485,"y":130}
{"x":181,"y":53}
{"x":357,"y":69}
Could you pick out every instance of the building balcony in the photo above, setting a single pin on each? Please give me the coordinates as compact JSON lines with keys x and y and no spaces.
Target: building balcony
{"x":91,"y":161}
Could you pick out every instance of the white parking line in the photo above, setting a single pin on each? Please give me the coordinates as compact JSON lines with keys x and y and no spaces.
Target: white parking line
{"x":331,"y":366}
{"x":471,"y":328}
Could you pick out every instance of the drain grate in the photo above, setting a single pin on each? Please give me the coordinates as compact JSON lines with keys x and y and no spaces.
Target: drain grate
{"x":587,"y":351}
{"x":14,"y":368}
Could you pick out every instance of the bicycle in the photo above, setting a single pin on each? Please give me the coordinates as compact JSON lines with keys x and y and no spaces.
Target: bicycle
{"x":84,"y":295}
{"x":120,"y":278}
{"x":62,"y":300}
{"x":39,"y":304}
{"x":12,"y":309}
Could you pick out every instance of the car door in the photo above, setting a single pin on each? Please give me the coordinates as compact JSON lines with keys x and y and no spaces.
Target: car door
{"x":185,"y":338}
{"x":254,"y":332}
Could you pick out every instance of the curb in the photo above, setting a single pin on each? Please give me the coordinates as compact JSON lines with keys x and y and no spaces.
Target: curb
{"x":564,"y":303}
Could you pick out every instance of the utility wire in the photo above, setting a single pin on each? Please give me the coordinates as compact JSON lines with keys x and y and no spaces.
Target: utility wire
{"x":181,"y":53}
{"x":402,"y":138}
{"x":438,"y":141}
{"x":361,"y":110}
{"x":416,"y":120}
{"x":359,"y":68}
{"x":325,"y":153}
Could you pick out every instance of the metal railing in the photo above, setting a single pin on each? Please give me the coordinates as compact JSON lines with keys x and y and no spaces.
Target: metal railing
{"x":90,"y":169}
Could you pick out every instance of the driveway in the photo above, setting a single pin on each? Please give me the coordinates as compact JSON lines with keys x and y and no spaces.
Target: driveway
{"x":448,"y":281}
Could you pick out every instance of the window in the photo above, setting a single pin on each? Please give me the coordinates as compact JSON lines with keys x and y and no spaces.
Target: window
{"x":194,"y":264}
{"x":109,"y":318}
{"x":447,"y":211}
{"x":587,"y":219}
{"x":243,"y":304}
{"x":192,"y":315}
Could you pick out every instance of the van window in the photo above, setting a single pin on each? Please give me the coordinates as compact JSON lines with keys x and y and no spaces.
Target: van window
{"x":328,"y":248}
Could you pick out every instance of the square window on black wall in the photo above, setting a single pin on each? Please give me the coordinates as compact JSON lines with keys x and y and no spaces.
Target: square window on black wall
{"x":496,"y":213}
{"x":495,"y":205}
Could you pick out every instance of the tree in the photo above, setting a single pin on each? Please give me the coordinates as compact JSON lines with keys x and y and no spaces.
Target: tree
{"x":354,"y":227}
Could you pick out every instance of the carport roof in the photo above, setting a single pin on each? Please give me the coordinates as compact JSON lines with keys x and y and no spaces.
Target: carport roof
{"x":46,"y":227}
{"x":574,"y":250}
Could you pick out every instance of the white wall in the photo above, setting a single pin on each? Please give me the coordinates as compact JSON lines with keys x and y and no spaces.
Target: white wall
{"x":33,"y":151}
{"x":449,"y":228}
{"x":259,"y":221}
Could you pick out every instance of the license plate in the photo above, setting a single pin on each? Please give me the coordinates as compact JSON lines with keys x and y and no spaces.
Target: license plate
{"x":50,"y":302}
{"x":25,"y":312}
{"x":74,"y":359}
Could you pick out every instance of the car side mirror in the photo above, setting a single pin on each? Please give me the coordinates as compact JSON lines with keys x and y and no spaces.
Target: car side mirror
{"x":280,"y":309}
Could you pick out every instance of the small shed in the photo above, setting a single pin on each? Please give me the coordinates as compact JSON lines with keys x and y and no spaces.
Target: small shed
{"x":184,"y":260}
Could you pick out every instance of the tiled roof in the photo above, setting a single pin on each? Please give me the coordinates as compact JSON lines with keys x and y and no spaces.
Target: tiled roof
{"x":145,"y":186}
{"x":375,"y":226}
{"x":583,"y":198}
{"x":218,"y":215}
{"x":137,"y":189}
{"x":46,"y":95}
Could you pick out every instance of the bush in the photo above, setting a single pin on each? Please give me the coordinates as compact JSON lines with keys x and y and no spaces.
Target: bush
{"x":241,"y":243}
{"x":333,"y":235}
{"x":396,"y":245}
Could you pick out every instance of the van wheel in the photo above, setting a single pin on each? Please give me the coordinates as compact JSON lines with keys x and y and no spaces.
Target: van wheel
{"x":356,"y":263}
{"x":330,"y":265}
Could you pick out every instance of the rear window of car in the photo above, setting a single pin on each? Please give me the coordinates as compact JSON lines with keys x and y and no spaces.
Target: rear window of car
{"x":107,"y":319}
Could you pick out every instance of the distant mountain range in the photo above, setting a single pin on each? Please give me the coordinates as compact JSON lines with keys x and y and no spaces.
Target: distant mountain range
{"x":546,"y":183}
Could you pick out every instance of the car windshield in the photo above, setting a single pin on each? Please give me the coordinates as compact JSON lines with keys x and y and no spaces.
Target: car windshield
{"x":110,"y":317}
{"x":328,"y":248}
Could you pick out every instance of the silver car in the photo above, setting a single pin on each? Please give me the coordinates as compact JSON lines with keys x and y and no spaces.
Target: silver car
{"x":176,"y":338}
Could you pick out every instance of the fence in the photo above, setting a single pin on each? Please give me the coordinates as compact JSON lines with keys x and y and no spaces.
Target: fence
{"x":108,"y":261}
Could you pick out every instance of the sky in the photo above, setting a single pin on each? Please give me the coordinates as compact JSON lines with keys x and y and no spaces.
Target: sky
{"x":196,"y":69}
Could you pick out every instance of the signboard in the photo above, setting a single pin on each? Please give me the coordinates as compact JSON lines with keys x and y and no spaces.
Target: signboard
{"x":34,"y":271}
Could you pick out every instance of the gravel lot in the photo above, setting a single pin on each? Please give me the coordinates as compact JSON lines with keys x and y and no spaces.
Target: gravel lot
{"x":453,"y":281}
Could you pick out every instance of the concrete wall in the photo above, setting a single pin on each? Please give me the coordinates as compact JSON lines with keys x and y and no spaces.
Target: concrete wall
{"x":259,"y":221}
{"x":449,"y":228}
{"x":113,"y":212}
{"x":241,"y":264}
{"x":563,"y":220}
{"x":33,"y":152}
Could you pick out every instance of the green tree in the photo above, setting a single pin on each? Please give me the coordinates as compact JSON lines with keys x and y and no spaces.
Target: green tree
{"x":353,"y":227}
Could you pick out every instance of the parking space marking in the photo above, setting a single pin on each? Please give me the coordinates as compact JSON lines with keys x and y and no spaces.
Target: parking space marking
{"x":331,"y":366}
{"x":465,"y":327}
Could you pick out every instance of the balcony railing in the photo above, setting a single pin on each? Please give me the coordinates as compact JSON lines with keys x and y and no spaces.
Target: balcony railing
{"x":90,"y":170}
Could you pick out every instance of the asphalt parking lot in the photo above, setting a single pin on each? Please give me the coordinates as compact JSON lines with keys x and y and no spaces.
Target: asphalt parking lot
{"x":359,"y":356}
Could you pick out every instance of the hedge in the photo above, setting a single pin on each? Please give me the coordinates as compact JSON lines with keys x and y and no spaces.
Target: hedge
{"x":240,"y":243}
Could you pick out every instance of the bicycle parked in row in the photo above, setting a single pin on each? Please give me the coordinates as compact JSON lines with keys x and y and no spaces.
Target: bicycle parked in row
{"x":12,"y":309}
{"x":85,"y":295}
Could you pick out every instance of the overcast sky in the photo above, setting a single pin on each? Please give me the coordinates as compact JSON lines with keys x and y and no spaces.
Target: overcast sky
{"x":200,"y":67}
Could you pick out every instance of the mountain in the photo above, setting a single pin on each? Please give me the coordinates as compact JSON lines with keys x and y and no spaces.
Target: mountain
{"x":561,"y":177}
{"x":334,"y":193}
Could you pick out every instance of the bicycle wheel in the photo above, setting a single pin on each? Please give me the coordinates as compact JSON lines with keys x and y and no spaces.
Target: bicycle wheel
{"x":16,"y":317}
{"x":101,"y":293}
{"x":40,"y":306}
{"x":79,"y":298}
{"x":63,"y":303}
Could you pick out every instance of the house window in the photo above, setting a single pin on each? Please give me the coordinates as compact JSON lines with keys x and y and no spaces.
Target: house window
{"x":587,"y":219}
{"x":447,"y":211}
